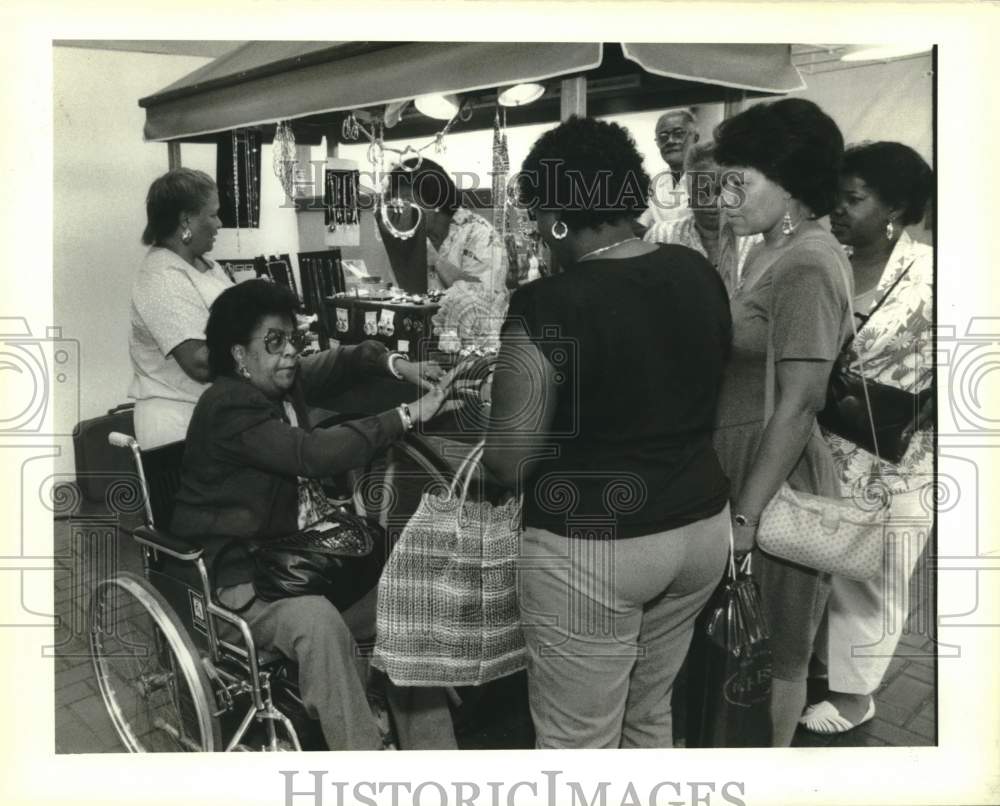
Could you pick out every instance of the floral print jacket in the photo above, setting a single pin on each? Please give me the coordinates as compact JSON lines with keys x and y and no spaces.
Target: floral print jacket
{"x":897,"y":346}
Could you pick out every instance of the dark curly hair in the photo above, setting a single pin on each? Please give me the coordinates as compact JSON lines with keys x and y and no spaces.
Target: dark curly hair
{"x":588,"y":171}
{"x":431,"y":185}
{"x":897,"y":174}
{"x":182,"y":190}
{"x":792,"y":142}
{"x":235,"y":314}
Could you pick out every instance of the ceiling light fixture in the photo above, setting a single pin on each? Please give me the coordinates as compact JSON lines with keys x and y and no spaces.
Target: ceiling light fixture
{"x":870,"y":53}
{"x":520,"y":94}
{"x":439,"y":106}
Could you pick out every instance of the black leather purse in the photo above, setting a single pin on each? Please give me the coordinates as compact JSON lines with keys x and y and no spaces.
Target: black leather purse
{"x":340,"y":558}
{"x":894,"y":410}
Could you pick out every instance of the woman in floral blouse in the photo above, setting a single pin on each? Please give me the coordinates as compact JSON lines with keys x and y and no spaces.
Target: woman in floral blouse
{"x":884,"y":187}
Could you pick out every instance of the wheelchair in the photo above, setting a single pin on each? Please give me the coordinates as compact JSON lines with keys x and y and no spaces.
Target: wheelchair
{"x":177,"y":670}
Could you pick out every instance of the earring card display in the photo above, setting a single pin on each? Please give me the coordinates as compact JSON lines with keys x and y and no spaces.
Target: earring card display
{"x":403,"y":327}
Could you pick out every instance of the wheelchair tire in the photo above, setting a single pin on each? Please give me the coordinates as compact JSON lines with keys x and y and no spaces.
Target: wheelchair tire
{"x":148,"y":670}
{"x":389,"y":489}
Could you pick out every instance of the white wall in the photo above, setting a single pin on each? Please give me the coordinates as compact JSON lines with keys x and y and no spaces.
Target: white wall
{"x":102,"y":170}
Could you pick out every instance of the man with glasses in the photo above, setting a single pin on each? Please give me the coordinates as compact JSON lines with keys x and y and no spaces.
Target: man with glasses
{"x":676,"y":132}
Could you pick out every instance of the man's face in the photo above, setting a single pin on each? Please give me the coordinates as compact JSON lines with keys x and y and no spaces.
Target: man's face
{"x":675,"y":134}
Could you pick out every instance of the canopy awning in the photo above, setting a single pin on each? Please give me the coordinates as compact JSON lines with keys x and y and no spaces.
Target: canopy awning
{"x":264,"y":82}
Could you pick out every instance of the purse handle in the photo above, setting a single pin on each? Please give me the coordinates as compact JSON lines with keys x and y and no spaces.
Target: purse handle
{"x":463,"y":476}
{"x":769,"y":372}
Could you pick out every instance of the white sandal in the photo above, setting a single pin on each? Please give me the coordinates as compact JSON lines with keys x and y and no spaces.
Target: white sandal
{"x":825,"y":718}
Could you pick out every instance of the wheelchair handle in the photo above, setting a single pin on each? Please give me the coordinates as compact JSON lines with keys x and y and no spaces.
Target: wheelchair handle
{"x":120,"y":440}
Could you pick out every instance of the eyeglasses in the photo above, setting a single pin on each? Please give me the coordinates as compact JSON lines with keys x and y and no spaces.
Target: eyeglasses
{"x":673,"y":134}
{"x":275,"y":340}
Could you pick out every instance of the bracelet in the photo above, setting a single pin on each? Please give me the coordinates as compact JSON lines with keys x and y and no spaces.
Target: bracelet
{"x":391,"y":363}
{"x":404,"y":415}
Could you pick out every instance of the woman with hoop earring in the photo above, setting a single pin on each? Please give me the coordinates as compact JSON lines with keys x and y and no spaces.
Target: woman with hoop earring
{"x":603,"y":402}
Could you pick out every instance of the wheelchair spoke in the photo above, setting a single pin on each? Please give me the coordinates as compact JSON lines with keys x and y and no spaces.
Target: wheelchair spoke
{"x":148,"y":671}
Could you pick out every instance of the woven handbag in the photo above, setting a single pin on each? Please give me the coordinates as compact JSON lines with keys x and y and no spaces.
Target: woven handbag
{"x":833,"y":535}
{"x":447,"y":610}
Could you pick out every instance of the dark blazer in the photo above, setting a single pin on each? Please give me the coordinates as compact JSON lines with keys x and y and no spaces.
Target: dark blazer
{"x":242,"y":460}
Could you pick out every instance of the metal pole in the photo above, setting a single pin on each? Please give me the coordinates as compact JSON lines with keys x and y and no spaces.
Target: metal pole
{"x":173,"y":155}
{"x":573,"y":97}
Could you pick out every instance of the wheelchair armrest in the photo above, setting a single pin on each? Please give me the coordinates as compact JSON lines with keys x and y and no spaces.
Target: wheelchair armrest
{"x":170,"y":545}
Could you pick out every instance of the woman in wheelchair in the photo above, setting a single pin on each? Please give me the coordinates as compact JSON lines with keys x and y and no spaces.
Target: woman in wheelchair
{"x":249,"y":454}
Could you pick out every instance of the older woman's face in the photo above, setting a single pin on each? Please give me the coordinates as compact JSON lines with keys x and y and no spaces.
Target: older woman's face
{"x":271,"y":357}
{"x":860,"y":215}
{"x":703,"y":180}
{"x":204,"y":224}
{"x":752,"y":202}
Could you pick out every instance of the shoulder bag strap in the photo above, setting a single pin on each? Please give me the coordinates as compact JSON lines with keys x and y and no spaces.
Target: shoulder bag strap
{"x":888,"y":292}
{"x":769,"y":374}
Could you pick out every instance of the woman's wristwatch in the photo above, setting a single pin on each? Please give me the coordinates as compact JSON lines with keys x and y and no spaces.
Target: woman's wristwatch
{"x":742,"y":520}
{"x":404,"y":415}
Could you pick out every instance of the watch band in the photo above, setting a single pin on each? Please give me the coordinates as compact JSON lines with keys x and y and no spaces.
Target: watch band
{"x":742,"y":520}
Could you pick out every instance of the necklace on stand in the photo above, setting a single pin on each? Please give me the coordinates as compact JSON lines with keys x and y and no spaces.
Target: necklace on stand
{"x":607,"y":248}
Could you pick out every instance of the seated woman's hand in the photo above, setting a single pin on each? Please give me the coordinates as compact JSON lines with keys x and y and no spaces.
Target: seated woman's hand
{"x":425,"y":374}
{"x":427,"y":406}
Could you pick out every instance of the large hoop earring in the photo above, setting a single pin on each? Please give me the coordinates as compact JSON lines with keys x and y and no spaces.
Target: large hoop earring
{"x":889,"y":230}
{"x":186,"y":235}
{"x":562,"y":233}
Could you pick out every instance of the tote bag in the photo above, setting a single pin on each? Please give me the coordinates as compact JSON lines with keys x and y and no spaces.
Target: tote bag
{"x":447,"y":610}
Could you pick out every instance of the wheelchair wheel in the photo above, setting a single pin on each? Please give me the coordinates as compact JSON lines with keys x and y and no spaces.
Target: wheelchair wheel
{"x":149,"y":672}
{"x":390,"y":489}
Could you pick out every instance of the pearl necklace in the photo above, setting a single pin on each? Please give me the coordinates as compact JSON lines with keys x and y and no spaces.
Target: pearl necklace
{"x":593,"y":252}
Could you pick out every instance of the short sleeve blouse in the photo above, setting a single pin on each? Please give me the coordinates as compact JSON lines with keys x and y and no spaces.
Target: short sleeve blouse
{"x":170,"y":302}
{"x":805,"y":294}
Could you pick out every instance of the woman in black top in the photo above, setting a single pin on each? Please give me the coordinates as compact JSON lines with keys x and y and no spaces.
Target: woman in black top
{"x":603,"y":405}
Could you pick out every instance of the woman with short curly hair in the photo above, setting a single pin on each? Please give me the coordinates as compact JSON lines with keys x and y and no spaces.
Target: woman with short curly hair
{"x":790,"y":311}
{"x":884,"y":187}
{"x":603,"y":403}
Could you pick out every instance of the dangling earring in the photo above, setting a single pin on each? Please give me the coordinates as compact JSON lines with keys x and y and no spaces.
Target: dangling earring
{"x":562,"y":233}
{"x":244,"y":372}
{"x":186,"y":235}
{"x":786,"y":224}
{"x":889,"y":230}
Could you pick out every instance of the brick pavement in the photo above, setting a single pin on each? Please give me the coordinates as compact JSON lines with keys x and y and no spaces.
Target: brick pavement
{"x":905,"y":702}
